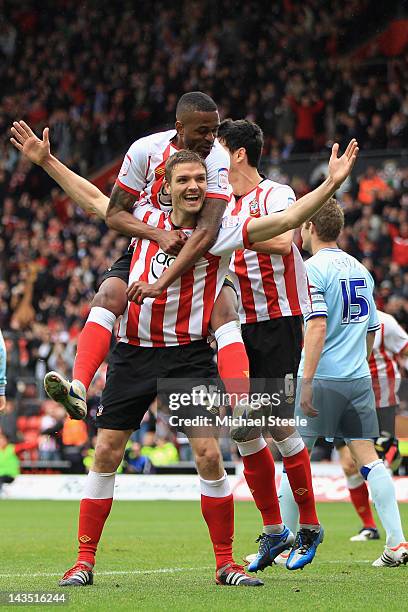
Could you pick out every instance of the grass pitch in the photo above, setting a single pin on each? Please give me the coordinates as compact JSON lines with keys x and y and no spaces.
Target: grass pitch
{"x":157,"y":556}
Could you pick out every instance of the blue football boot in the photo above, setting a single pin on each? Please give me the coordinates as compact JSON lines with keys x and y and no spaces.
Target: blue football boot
{"x":270,"y":546}
{"x":304,"y":548}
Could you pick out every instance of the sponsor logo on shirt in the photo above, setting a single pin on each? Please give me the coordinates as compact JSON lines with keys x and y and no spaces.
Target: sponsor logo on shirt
{"x":230,"y":221}
{"x":160,"y":262}
{"x":223,"y":178}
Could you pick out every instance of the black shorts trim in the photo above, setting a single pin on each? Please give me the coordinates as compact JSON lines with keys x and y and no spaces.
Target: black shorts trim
{"x":119,"y":269}
{"x":229,"y":283}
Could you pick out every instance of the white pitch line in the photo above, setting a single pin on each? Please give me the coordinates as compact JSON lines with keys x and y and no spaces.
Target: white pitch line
{"x":162,"y":570}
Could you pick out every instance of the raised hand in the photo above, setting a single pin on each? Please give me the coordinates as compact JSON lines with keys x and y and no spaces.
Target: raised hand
{"x":24,"y":139}
{"x":340,"y":167}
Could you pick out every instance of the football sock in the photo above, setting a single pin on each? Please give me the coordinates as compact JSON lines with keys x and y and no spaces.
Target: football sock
{"x":383,"y":494}
{"x":93,"y":344}
{"x":259,"y":472}
{"x":297,"y":466}
{"x":217,"y":507}
{"x":288,"y":507}
{"x":93,"y":512}
{"x":233,"y":364}
{"x":359,"y":497}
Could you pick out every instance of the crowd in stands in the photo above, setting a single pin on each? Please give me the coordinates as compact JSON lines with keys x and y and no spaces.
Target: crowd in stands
{"x":101,"y":75}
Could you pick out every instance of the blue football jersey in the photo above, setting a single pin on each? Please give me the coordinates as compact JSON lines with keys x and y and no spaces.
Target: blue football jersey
{"x":341,"y":289}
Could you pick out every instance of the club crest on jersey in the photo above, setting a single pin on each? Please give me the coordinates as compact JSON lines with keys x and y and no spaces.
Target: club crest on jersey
{"x":254,"y":208}
{"x":100,"y":410}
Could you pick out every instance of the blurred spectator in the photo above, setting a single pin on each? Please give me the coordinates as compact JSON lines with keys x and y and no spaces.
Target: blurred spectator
{"x":134,"y":462}
{"x":9,"y":462}
{"x":51,"y":424}
{"x":75,"y":441}
{"x":371,"y":185}
{"x":162,"y":453}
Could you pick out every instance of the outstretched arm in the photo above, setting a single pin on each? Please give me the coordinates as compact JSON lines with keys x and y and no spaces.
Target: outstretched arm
{"x":81,"y":191}
{"x":269,"y":226}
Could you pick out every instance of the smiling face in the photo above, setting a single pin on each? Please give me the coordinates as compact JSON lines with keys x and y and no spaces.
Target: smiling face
{"x":198,"y":130}
{"x":187,"y":186}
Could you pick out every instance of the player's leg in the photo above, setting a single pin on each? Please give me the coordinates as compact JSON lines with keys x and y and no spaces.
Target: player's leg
{"x":383,"y":493}
{"x":130,"y":388}
{"x":386,"y":444}
{"x":93,"y":342}
{"x":96,"y":504}
{"x":358,"y":490}
{"x":217,"y":506}
{"x":259,"y":472}
{"x":232,"y":360}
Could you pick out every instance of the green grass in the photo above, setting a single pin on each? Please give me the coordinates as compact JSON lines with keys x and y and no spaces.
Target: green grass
{"x":39,"y":538}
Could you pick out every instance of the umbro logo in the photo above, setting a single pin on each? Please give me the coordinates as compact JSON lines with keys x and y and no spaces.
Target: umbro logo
{"x":84,"y":539}
{"x":301,"y":491}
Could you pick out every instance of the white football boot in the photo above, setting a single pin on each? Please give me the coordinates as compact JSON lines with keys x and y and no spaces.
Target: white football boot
{"x":72,"y":395}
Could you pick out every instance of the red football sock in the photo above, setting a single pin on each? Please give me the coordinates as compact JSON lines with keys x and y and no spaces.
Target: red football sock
{"x":92,"y":516}
{"x":259,"y":472}
{"x":300,"y":479}
{"x":361,"y":502}
{"x":218,"y":513}
{"x":93,"y":347}
{"x":233,"y":367}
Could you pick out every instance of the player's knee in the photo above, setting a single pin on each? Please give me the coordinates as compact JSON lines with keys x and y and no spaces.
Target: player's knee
{"x":225,"y":308}
{"x":107,"y":457}
{"x":349,"y":469}
{"x":112,"y":296}
{"x":209,"y":463}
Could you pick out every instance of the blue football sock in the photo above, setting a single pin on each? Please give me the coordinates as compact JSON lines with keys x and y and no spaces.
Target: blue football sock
{"x":383,"y":494}
{"x":288,"y":506}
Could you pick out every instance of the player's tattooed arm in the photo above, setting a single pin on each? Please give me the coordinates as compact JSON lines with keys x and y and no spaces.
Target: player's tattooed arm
{"x":199,"y":243}
{"x":120,"y":218}
{"x":38,"y":151}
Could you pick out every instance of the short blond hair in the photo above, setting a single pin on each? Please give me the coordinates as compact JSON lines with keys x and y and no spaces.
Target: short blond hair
{"x":328,"y":221}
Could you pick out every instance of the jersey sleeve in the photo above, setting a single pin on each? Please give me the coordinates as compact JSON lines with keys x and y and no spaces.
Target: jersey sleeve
{"x":218,"y":164}
{"x":233,"y":235}
{"x":317,"y":289}
{"x":395,"y":338}
{"x":134,"y":169}
{"x":279,"y":199}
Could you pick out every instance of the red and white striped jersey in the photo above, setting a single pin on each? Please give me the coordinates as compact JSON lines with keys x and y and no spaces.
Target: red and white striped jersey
{"x":270,"y":286}
{"x":142,"y":171}
{"x":182,"y":313}
{"x":389,"y":341}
